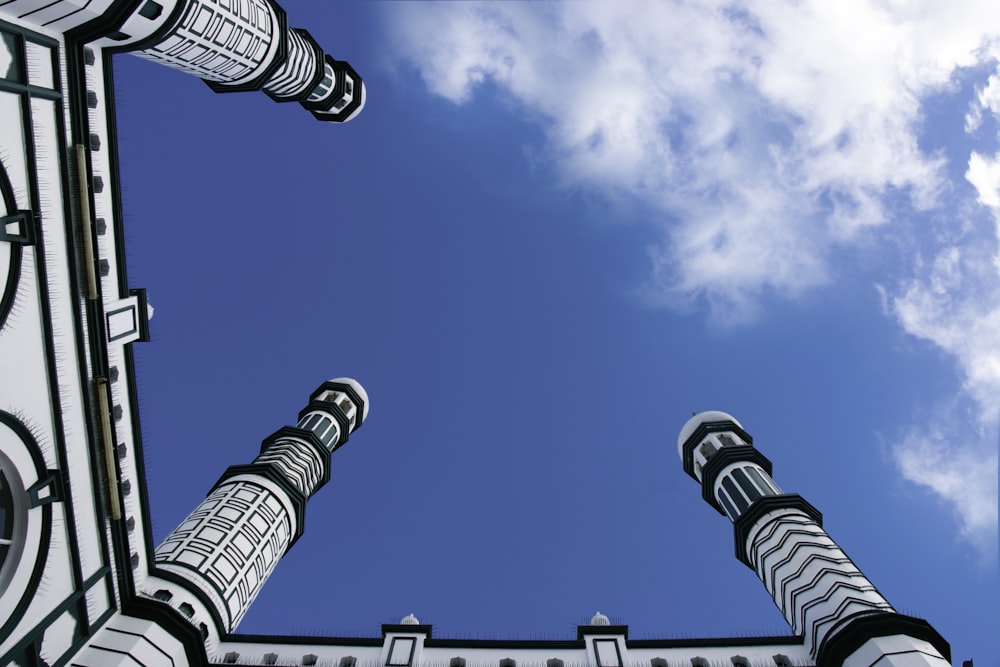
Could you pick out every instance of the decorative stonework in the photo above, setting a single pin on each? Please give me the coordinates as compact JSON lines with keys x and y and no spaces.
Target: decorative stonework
{"x":226,"y":42}
{"x":810,"y":579}
{"x":233,"y":541}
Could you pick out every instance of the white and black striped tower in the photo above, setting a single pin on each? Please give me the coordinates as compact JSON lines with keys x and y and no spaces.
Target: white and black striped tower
{"x":233,"y":45}
{"x":247,"y":45}
{"x":228,"y":547}
{"x":824,"y":597}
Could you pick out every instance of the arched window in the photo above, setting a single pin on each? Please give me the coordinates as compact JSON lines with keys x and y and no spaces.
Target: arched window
{"x":707,"y":449}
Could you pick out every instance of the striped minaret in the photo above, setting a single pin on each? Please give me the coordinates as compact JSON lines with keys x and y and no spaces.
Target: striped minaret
{"x":247,"y":45}
{"x":822,"y":594}
{"x":233,"y":45}
{"x":228,"y":547}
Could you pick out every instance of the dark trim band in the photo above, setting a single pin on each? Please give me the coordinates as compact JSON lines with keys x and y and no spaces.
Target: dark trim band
{"x":173,"y":622}
{"x":849,"y":639}
{"x":587,"y":630}
{"x":345,"y":388}
{"x":722,"y":458}
{"x":699,"y":434}
{"x":312,"y":440}
{"x":746,"y":521}
{"x":407,"y":629}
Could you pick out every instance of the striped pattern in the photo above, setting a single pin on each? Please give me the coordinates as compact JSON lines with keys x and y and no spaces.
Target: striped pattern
{"x":297,"y":70}
{"x":225,"y":41}
{"x":821,"y":593}
{"x":60,"y":15}
{"x":814,"y":584}
{"x":323,"y":425}
{"x":740,"y":485}
{"x":297,"y":462}
{"x":232,"y":542}
{"x":324,"y":87}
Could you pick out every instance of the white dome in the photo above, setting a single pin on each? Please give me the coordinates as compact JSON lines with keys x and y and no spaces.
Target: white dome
{"x":409,"y":619}
{"x":356,"y":386}
{"x":599,"y":619}
{"x":696,"y":421}
{"x":364,"y":98}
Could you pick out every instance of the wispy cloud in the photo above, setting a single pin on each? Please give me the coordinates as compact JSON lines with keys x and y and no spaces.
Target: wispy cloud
{"x":963,"y":476}
{"x":953,"y":301}
{"x":987,"y":97}
{"x":768,"y":135}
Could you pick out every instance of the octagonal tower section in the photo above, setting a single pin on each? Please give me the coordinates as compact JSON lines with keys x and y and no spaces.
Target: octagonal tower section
{"x":230,"y":544}
{"x":821,"y":593}
{"x":238,"y":45}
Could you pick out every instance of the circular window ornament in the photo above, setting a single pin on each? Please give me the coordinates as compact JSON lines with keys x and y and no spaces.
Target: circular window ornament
{"x":14,"y":231}
{"x":25,"y":519}
{"x":11,"y":519}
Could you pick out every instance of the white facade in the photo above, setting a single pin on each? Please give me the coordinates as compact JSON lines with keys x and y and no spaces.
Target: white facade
{"x":80,"y":581}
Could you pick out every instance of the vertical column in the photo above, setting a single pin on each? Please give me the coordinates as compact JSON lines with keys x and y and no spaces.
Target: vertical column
{"x":228,"y":547}
{"x":820,"y":592}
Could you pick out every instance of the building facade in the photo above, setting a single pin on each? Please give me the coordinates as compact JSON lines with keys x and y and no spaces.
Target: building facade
{"x":81,"y":582}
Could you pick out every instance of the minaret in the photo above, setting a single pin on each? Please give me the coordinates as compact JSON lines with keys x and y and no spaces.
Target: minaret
{"x":228,"y":547}
{"x":845,"y":621}
{"x":236,"y":45}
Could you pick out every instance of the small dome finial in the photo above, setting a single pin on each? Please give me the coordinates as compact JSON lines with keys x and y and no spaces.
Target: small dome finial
{"x":410,"y":619}
{"x":600,"y":619}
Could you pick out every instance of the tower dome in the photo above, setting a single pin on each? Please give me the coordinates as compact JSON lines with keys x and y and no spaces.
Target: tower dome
{"x":600,"y":619}
{"x":696,"y":421}
{"x":409,"y":619}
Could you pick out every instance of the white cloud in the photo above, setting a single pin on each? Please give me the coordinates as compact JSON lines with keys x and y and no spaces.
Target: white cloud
{"x":966,"y":477}
{"x":953,"y":301}
{"x":956,"y":306}
{"x":987,"y":96}
{"x":750,"y":125}
{"x":768,"y":135}
{"x":984,"y":175}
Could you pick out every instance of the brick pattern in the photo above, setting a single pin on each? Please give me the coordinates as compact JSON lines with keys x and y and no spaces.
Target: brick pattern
{"x":233,"y":541}
{"x":225,"y":41}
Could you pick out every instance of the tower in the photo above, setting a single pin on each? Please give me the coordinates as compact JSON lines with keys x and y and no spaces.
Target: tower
{"x":821,"y":593}
{"x":233,"y":45}
{"x":80,"y":580}
{"x":230,"y":544}
{"x":78,"y":571}
{"x":211,"y":567}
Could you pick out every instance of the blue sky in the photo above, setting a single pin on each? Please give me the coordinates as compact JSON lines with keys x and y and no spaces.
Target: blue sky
{"x":554,"y":232}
